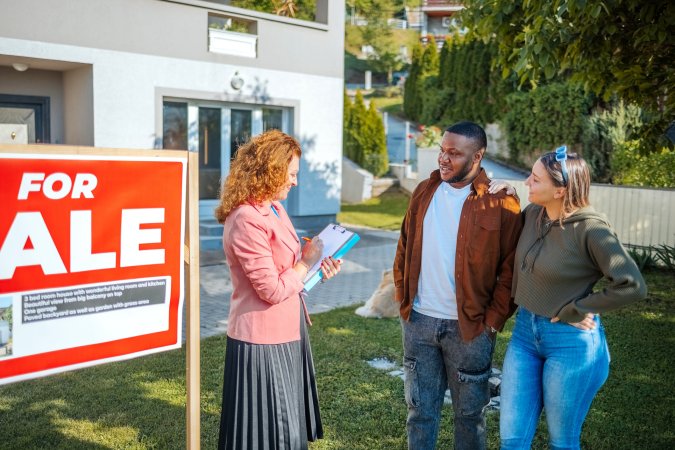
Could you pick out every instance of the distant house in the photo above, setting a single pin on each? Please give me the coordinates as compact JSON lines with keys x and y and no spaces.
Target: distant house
{"x":433,"y":17}
{"x":179,"y":74}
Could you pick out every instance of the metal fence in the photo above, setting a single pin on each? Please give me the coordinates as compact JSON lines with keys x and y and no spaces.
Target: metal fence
{"x":640,"y":216}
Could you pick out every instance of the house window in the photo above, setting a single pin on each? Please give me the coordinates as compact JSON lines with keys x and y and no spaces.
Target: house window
{"x":175,"y":121}
{"x":28,"y":110}
{"x":272,"y":119}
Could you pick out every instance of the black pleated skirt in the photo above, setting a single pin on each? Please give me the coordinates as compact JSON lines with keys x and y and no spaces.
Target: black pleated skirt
{"x":269,"y":395}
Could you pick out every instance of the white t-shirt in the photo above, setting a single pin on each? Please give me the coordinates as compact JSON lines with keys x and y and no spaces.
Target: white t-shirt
{"x":436,"y":293}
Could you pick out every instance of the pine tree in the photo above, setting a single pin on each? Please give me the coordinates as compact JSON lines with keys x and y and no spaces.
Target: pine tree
{"x":430,"y":58}
{"x":358,"y":124}
{"x":347,"y":138}
{"x":410,"y":92}
{"x":376,"y":159}
{"x":443,"y":61}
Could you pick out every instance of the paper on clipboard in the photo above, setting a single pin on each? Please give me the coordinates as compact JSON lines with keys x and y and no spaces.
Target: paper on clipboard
{"x":337,"y":241}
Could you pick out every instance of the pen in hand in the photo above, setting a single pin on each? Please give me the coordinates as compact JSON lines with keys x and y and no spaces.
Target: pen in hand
{"x":305,"y":238}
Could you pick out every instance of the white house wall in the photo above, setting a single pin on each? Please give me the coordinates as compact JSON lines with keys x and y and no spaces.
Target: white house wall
{"x":127,"y":88}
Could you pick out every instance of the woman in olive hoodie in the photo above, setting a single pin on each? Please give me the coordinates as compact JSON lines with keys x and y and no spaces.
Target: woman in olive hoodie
{"x":558,"y":358}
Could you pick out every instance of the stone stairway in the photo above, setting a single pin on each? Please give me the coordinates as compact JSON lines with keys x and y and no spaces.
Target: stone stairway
{"x":210,"y":235}
{"x":383,"y":184}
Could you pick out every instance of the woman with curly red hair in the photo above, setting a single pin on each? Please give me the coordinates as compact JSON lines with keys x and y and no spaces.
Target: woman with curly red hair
{"x":269,"y":390}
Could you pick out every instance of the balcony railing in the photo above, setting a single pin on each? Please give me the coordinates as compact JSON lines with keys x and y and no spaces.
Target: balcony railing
{"x":440,"y":3}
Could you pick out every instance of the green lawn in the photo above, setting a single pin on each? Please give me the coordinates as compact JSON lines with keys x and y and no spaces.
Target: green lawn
{"x":391,"y":105}
{"x":140,"y":404}
{"x":385,"y":212}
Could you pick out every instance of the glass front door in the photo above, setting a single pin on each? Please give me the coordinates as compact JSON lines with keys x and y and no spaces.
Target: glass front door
{"x":240,"y":129}
{"x":216,"y":131}
{"x":210,"y":150}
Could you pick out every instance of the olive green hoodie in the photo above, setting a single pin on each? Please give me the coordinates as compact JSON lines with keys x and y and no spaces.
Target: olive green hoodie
{"x":556,"y":267}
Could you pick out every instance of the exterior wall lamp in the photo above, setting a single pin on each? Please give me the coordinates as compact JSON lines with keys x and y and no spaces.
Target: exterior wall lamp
{"x":237,"y":81}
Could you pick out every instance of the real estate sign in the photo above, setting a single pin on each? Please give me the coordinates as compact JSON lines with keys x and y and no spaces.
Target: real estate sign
{"x":91,"y":258}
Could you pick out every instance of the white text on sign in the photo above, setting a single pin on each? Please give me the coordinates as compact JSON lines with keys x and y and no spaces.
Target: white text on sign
{"x":30,"y":225}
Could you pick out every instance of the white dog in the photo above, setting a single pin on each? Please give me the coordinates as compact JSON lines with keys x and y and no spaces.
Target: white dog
{"x":381,"y":303}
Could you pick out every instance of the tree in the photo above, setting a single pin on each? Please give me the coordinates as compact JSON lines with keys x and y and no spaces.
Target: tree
{"x":357,"y":124}
{"x":364,"y":141}
{"x":424,"y":65}
{"x":411,"y":96}
{"x":301,"y":9}
{"x":375,"y":159}
{"x":378,"y":34}
{"x":347,"y":138}
{"x":623,"y":47}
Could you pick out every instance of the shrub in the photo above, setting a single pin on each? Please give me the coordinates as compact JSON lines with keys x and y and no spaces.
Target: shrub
{"x":364,"y":141}
{"x":429,"y":137}
{"x":630,"y":167}
{"x":665,"y":254}
{"x":544,"y":118}
{"x":604,"y":130}
{"x":411,"y":91}
{"x":374,"y":143}
{"x":642,"y":257}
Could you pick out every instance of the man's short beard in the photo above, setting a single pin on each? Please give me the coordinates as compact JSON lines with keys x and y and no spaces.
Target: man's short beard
{"x":462,"y":173}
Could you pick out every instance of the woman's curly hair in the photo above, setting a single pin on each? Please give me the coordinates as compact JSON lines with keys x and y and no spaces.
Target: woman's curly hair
{"x":258,"y":172}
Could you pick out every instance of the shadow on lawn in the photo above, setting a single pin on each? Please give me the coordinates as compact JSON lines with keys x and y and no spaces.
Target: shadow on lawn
{"x":137,"y":403}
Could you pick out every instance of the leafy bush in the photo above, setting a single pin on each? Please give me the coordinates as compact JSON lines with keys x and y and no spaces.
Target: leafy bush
{"x":460,"y":84}
{"x":642,"y":257}
{"x":429,"y":137}
{"x":604,"y":130}
{"x":434,"y":100}
{"x":544,"y":118}
{"x":630,"y":167}
{"x":665,"y":254}
{"x":304,"y":9}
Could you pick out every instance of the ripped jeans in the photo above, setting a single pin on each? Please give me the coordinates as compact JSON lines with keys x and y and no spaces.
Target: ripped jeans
{"x":435,"y":357}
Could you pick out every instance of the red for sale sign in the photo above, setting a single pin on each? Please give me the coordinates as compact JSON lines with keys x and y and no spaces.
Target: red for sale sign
{"x":91,"y":260}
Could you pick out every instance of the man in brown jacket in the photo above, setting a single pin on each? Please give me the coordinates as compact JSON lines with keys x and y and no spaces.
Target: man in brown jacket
{"x":452,"y":276}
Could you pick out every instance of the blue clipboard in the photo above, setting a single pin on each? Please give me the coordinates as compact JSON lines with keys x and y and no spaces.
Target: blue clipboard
{"x":337,"y":241}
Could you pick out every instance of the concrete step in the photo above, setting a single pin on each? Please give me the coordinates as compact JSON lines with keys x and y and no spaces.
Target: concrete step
{"x":210,"y":227}
{"x":210,"y":243}
{"x":383,"y":184}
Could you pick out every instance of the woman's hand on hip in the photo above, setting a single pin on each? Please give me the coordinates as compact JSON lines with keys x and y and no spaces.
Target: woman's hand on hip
{"x":588,"y":323}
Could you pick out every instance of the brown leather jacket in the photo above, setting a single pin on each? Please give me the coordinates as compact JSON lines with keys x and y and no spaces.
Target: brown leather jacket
{"x":488,"y":233}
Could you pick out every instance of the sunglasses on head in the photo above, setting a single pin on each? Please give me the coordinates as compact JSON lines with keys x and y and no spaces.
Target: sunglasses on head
{"x":561,"y":157}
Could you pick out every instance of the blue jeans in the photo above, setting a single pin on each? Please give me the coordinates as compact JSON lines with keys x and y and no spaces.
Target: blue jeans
{"x":435,"y":357}
{"x":553,"y":366}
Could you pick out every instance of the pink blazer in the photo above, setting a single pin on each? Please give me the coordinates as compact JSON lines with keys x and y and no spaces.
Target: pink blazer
{"x":261,"y":250}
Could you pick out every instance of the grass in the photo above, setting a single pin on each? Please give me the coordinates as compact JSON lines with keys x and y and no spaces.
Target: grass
{"x":140,"y":404}
{"x":392,"y":105}
{"x":385,"y":212}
